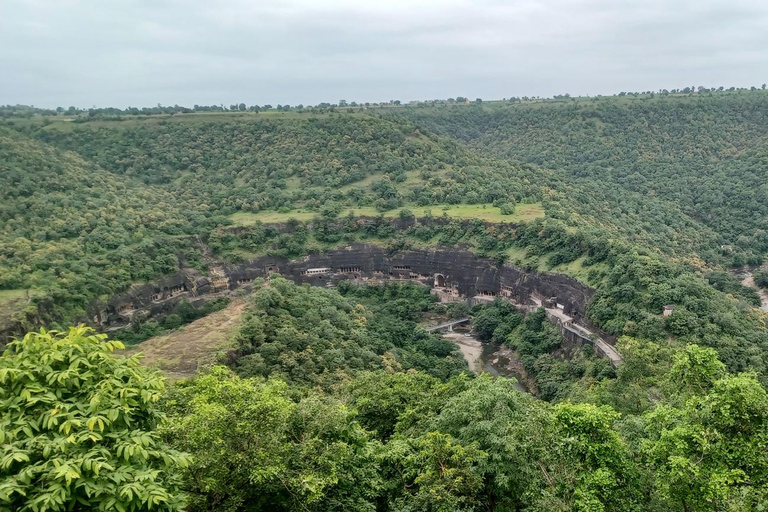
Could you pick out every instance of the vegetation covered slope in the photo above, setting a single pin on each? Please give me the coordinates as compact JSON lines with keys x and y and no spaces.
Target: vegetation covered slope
{"x":90,"y":209}
{"x":333,"y":400}
{"x":644,"y":162}
{"x":184,"y":176}
{"x":82,"y":426}
{"x":310,"y":335}
{"x":256,"y":164}
{"x":73,"y":232}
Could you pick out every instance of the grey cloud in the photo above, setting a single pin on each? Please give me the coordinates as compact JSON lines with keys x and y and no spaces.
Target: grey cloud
{"x":62,"y":52}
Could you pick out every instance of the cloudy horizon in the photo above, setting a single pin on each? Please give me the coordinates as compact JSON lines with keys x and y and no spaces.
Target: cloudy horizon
{"x":140,"y":53}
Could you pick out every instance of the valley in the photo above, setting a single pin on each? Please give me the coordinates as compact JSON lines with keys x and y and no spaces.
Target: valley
{"x":289,"y":277}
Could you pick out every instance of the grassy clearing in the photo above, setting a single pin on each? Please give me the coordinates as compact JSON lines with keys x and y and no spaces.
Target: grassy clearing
{"x":363,"y":183}
{"x":7,"y":296}
{"x":575,"y":269}
{"x":181,"y":353}
{"x":489,"y":213}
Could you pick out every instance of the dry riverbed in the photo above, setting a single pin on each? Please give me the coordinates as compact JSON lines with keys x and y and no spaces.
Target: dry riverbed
{"x":492,"y":358}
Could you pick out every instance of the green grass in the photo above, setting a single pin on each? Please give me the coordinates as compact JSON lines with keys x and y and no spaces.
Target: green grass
{"x":519,"y":256}
{"x":516,"y":253}
{"x":7,"y":296}
{"x":488,"y":213}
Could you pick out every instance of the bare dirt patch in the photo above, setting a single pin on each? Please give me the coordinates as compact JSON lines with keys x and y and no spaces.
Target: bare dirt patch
{"x":193,"y":346}
{"x":750,"y":282}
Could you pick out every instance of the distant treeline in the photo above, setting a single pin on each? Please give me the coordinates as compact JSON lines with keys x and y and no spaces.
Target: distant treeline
{"x":7,"y":111}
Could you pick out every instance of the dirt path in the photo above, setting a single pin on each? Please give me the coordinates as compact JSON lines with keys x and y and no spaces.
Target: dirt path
{"x":194,"y":345}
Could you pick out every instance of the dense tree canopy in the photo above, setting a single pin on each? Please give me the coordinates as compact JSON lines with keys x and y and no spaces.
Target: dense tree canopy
{"x":312,"y":335}
{"x":78,"y":428}
{"x":664,"y":170}
{"x":335,"y":399}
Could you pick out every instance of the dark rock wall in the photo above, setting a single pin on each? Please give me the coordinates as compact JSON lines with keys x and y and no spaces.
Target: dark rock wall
{"x":457,"y":268}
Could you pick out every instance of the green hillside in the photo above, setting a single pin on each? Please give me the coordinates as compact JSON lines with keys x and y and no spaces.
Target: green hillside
{"x":335,"y":399}
{"x":689,"y":169}
{"x":307,"y":160}
{"x":90,"y":208}
{"x":151,"y":186}
{"x":73,"y":232}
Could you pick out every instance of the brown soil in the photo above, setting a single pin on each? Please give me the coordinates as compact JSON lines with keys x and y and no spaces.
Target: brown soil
{"x":193,"y":346}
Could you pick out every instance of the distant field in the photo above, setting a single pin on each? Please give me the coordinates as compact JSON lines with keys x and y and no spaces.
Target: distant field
{"x":489,"y":213}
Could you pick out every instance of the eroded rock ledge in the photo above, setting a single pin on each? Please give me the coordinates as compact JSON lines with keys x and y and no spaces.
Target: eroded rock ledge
{"x":453,"y":273}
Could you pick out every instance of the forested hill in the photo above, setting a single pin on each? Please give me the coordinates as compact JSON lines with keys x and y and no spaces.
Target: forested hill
{"x":334,"y":399}
{"x":89,"y":209}
{"x":71,"y":232}
{"x":95,"y":205}
{"x":704,"y":156}
{"x":254,"y":164}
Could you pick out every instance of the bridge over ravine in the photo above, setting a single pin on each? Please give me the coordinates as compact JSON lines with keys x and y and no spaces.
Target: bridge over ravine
{"x":447,"y":325}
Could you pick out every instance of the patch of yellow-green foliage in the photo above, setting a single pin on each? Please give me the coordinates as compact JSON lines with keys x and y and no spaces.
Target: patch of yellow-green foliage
{"x":78,"y":428}
{"x":485,"y":212}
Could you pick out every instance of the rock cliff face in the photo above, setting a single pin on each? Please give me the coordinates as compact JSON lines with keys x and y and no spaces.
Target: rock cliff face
{"x":453,"y":272}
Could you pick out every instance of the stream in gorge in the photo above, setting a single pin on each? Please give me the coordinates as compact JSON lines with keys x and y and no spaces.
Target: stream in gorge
{"x":490,"y":358}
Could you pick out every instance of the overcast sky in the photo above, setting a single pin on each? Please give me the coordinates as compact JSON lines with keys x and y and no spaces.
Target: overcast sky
{"x":144,"y":52}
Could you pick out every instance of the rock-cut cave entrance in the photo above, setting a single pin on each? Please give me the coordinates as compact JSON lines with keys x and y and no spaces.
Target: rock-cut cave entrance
{"x":439,"y":281}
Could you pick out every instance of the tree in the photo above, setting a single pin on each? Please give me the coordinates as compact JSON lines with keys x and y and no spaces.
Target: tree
{"x":436,"y":474}
{"x":711,"y":453}
{"x":78,"y":428}
{"x":590,"y":462}
{"x":511,"y":428}
{"x":257,"y":449}
{"x":406,"y":214}
{"x":507,"y":208}
{"x":761,"y":278}
{"x":695,"y":370}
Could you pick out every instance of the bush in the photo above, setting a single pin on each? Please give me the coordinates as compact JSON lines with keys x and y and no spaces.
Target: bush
{"x":77,"y":428}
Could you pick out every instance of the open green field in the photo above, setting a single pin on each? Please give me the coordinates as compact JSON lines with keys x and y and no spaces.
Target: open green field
{"x":485,"y":212}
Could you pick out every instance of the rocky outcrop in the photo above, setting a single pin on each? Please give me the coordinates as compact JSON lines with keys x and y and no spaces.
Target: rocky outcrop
{"x":453,"y":270}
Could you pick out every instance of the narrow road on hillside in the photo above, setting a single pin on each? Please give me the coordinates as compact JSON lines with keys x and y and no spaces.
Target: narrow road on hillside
{"x":610,"y":352}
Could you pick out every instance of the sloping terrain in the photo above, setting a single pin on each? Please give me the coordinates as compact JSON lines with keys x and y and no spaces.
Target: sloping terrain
{"x":183,"y":352}
{"x":262,"y":163}
{"x":71,"y":231}
{"x":675,"y":171}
